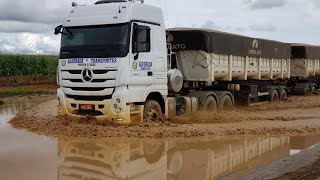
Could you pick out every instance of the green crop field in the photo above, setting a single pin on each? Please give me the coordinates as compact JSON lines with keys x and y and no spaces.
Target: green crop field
{"x":13,"y":65}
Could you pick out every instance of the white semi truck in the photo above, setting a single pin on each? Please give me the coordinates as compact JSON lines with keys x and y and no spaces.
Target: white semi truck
{"x":119,"y":63}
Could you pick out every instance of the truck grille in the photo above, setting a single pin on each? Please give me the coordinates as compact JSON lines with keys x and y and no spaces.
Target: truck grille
{"x":72,"y":71}
{"x":93,"y":81}
{"x":102,"y":82}
{"x":89,"y":98}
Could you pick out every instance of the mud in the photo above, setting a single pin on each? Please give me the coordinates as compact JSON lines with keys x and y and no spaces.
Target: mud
{"x":295,"y":108}
{"x":304,"y":165}
{"x":298,"y":115}
{"x":309,"y":172}
{"x":26,"y":155}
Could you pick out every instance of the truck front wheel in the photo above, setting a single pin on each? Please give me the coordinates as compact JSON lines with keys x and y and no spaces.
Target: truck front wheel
{"x":152,"y":111}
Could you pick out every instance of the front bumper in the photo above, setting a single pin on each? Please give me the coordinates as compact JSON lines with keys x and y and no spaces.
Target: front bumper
{"x":125,"y":114}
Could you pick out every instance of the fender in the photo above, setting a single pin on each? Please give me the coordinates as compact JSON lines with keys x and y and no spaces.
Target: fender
{"x":154,"y":88}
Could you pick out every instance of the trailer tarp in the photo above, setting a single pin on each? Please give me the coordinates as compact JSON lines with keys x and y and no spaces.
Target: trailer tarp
{"x":217,"y":42}
{"x":305,"y":51}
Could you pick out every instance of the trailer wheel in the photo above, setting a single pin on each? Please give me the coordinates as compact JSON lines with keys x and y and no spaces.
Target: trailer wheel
{"x":226,"y":103}
{"x":284,"y":95}
{"x":274,"y":96}
{"x":313,"y":90}
{"x":307,"y":91}
{"x":152,"y":111}
{"x":210,"y":104}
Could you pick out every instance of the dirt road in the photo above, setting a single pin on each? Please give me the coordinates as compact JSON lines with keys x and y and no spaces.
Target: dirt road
{"x":297,"y":116}
{"x":222,"y":155}
{"x":304,"y":165}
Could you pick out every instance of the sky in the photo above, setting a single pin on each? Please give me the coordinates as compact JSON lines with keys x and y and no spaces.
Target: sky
{"x":26,"y":26}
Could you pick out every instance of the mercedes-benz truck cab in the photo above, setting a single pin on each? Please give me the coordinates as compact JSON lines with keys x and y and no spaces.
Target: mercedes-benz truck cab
{"x":113,"y":62}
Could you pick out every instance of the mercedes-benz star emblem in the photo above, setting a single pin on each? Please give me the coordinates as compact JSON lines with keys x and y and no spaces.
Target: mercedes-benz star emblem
{"x":87,"y":75}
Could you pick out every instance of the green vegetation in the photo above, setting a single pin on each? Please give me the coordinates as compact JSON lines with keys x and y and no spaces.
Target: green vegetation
{"x":19,"y":91}
{"x":27,"y":65}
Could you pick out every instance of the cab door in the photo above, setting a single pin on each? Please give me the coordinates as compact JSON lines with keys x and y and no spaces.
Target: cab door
{"x":141,"y":60}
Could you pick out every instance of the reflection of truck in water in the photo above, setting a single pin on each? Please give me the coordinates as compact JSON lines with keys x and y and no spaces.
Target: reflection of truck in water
{"x":207,"y":160}
{"x":110,"y":160}
{"x":115,"y":64}
{"x":167,"y":160}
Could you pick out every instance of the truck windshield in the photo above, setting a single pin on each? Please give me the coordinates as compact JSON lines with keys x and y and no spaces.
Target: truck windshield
{"x":95,"y":41}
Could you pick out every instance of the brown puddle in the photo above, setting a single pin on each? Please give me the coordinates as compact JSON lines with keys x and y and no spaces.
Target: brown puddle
{"x":28,"y":156}
{"x":11,"y":106}
{"x":207,"y":159}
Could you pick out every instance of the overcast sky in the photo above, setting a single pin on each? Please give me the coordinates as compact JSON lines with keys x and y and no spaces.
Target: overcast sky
{"x":26,"y":26}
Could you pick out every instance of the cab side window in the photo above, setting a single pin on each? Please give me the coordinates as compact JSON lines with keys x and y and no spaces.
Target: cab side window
{"x":141,"y":39}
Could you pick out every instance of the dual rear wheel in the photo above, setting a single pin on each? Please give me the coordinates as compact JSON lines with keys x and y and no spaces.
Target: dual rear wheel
{"x":211,"y":104}
{"x":153,"y":111}
{"x":276,"y":96}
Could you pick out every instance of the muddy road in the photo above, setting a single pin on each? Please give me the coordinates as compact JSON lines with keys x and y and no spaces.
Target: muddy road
{"x":36,"y":152}
{"x":297,"y":116}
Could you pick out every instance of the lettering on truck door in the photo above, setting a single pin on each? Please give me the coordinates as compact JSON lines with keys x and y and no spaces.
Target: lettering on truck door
{"x":141,"y":60}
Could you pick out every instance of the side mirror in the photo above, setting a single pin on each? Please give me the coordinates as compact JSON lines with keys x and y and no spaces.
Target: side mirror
{"x":58,"y":29}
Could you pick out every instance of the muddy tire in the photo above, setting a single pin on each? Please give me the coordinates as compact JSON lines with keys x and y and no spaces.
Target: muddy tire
{"x":284,"y":95}
{"x":307,"y":91}
{"x":210,"y":104}
{"x":226,"y":103}
{"x":152,"y":111}
{"x":313,"y":90}
{"x":274,"y":96}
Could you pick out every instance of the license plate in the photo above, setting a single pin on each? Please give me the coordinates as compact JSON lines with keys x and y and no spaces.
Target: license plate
{"x":86,"y":153}
{"x":87,"y":107}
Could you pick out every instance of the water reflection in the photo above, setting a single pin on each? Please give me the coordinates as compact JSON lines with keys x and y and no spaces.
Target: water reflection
{"x":12,"y":107}
{"x":102,"y":159}
{"x":167,"y":160}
